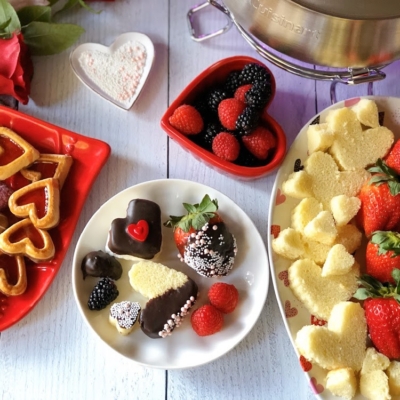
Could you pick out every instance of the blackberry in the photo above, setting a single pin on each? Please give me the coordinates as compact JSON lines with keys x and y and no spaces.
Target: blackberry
{"x":232,"y":82}
{"x":210,"y":132}
{"x":258,"y":95}
{"x":253,"y":72}
{"x":103,"y":294}
{"x":201,"y":105}
{"x":215,"y":97}
{"x":246,"y":159}
{"x":247,"y":121}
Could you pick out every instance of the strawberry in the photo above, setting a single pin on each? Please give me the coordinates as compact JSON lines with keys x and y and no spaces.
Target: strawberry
{"x":383,"y":255}
{"x":241,"y":91}
{"x":259,"y":142}
{"x":203,"y":240}
{"x":393,"y":158}
{"x":382,"y":312}
{"x":187,"y":120}
{"x":223,"y":297}
{"x":207,"y":320}
{"x":229,"y":111}
{"x":226,"y":146}
{"x":380,"y":201}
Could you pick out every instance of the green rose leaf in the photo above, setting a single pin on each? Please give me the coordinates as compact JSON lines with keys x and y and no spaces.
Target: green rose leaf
{"x":9,"y":22}
{"x":44,"y":38}
{"x":34,"y":13}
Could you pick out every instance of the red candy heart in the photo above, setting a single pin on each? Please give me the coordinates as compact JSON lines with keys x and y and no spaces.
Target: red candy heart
{"x":138,"y":231}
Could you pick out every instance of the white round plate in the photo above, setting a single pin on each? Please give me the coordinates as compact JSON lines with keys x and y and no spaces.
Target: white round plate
{"x":111,"y":68}
{"x":294,"y":314}
{"x":183,"y":349}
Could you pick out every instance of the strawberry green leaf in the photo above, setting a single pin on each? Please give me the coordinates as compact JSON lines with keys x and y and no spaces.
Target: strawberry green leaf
{"x":362,"y":294}
{"x":190,"y":208}
{"x":208,"y":205}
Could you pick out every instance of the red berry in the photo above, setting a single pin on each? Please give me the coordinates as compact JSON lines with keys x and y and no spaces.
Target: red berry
{"x":207,"y":320}
{"x":259,"y":142}
{"x":224,"y":297}
{"x":393,"y":158}
{"x":229,"y":111}
{"x":187,"y":120}
{"x":241,"y":92}
{"x":226,"y":146}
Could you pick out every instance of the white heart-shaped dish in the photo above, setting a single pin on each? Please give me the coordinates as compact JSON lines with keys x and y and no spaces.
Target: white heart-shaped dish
{"x":116,"y":73}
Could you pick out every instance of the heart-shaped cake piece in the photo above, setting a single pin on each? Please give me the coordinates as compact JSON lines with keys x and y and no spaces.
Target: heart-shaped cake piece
{"x":339,"y":344}
{"x":354,"y":148}
{"x":320,"y":294}
{"x":171,"y":295}
{"x":116,"y":73}
{"x":138,"y":235}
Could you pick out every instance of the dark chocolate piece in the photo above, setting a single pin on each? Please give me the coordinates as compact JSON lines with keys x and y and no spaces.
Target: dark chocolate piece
{"x":159,"y":310}
{"x":122,"y":243}
{"x":100,"y":264}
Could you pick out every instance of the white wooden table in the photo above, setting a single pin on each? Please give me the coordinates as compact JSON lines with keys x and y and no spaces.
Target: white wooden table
{"x":51,"y":354}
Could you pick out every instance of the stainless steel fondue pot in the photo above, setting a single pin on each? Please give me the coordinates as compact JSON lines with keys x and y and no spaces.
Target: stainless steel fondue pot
{"x":354,"y":38}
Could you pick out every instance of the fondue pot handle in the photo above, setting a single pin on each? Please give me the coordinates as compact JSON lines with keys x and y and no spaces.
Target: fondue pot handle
{"x":198,"y":38}
{"x":351,"y":76}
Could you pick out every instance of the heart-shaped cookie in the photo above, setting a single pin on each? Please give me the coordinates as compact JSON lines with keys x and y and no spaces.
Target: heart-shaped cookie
{"x":138,"y":231}
{"x":22,"y":238}
{"x":320,"y":294}
{"x":15,"y":153}
{"x":116,"y":73}
{"x":40,"y":201}
{"x":19,"y":287}
{"x":339,"y":344}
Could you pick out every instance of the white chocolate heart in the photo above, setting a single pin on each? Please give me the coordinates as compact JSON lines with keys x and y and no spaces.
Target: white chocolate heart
{"x":116,"y":73}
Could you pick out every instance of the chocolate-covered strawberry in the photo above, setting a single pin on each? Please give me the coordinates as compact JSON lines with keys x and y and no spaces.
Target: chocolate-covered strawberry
{"x":203,"y":240}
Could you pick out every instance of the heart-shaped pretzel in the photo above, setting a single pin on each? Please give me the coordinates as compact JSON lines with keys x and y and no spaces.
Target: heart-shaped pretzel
{"x":20,"y":285}
{"x":40,"y":201}
{"x":49,"y":166}
{"x":22,"y":238}
{"x":15,"y":153}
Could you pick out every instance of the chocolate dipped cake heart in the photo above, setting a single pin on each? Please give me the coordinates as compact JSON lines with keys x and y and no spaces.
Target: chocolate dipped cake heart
{"x":171,"y":294}
{"x":138,"y":235}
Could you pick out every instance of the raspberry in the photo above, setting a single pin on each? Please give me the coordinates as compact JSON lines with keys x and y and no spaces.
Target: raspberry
{"x":241,"y":92}
{"x":187,"y":120}
{"x":5,"y":193}
{"x":226,"y":146}
{"x":259,"y":142}
{"x":207,"y":320}
{"x":103,"y":294}
{"x":223,"y":297}
{"x":229,"y":111}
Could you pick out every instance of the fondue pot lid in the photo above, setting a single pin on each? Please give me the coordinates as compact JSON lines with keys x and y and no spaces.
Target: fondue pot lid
{"x":354,"y":9}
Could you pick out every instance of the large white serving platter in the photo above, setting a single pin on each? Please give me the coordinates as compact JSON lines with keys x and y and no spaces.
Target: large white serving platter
{"x":294,"y":314}
{"x":183,"y":349}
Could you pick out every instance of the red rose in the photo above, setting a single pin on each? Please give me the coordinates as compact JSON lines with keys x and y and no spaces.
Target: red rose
{"x":16,"y":68}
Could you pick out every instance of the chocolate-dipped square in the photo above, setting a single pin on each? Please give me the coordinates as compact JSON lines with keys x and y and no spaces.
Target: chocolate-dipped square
{"x":139,"y":233}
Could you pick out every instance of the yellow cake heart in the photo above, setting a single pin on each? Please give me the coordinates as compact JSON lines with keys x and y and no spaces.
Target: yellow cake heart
{"x":327,"y":181}
{"x":320,"y":294}
{"x":354,"y":148}
{"x":339,"y":344}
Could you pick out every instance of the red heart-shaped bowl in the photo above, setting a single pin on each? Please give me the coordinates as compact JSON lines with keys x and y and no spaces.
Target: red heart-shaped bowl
{"x":214,"y":76}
